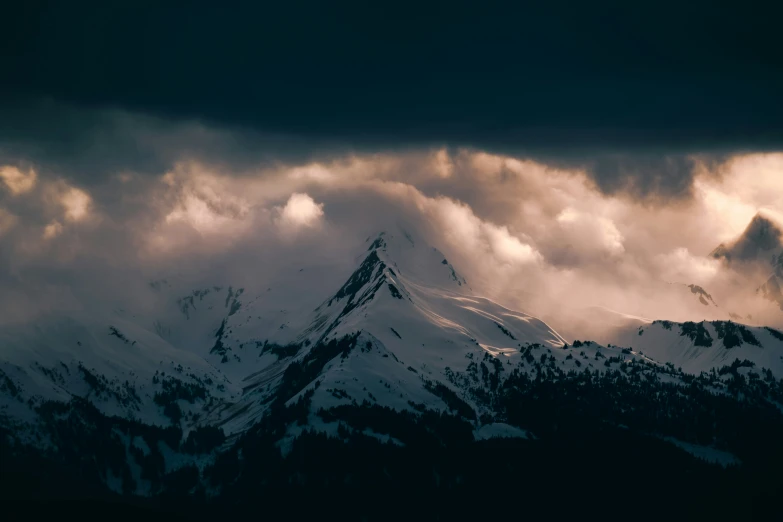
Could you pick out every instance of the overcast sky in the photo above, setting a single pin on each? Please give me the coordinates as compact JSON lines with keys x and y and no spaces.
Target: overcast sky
{"x":561,"y":151}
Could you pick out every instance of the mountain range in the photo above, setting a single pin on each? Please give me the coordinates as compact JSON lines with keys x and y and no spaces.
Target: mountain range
{"x":235,"y":387}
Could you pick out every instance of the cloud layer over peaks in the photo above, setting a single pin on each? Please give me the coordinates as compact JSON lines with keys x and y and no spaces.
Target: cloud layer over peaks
{"x":214,"y":203}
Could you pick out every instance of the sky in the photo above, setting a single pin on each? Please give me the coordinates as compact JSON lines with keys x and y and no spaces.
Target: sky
{"x":589,"y":154}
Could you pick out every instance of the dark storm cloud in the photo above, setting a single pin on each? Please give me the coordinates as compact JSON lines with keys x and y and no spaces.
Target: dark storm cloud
{"x":614,"y":87}
{"x":86,"y":144}
{"x":642,"y":174}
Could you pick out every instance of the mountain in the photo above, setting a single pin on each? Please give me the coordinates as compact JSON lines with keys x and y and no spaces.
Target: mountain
{"x":604,"y":325}
{"x":324,"y":380}
{"x":760,"y":239}
{"x":118,"y":366}
{"x":772,"y":288}
{"x":597,"y":323}
{"x":702,"y":295}
{"x":758,"y":249}
{"x":706,"y":345}
{"x":221,"y":355}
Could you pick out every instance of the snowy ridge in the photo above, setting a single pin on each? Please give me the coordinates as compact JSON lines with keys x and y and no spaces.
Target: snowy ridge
{"x":408,"y":330}
{"x":700,"y":347}
{"x":237,"y":343}
{"x":121,"y":368}
{"x":402,"y":334}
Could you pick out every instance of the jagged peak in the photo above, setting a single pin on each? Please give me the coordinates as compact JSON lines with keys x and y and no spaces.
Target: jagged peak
{"x":399,"y":235}
{"x":372,"y":267}
{"x":378,"y":243}
{"x":763,"y":234}
{"x":404,"y":250}
{"x":763,"y":226}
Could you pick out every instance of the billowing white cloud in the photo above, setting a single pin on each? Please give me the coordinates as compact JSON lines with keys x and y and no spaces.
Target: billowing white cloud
{"x":514,"y":227}
{"x":590,"y":233}
{"x":680,"y":265}
{"x":465,"y":231}
{"x":300,"y":211}
{"x":197,"y":212}
{"x":76,"y":203}
{"x":313,"y":171}
{"x":746,"y":185}
{"x":204,"y":200}
{"x":16,"y":180}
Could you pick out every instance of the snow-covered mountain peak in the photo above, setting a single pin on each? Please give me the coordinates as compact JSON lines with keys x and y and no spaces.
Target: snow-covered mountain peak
{"x":414,"y":259}
{"x":392,"y":333}
{"x":396,"y":266}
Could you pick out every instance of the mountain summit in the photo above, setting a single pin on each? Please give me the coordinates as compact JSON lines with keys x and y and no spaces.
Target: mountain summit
{"x":760,"y":245}
{"x":221,"y":354}
{"x":762,"y":238}
{"x":387,"y":359}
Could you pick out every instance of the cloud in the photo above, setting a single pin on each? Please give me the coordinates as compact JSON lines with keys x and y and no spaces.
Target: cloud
{"x":300,"y":211}
{"x":52,"y":230}
{"x":16,"y":180}
{"x":593,"y":233}
{"x":660,"y":175}
{"x":76,"y":203}
{"x":465,"y":77}
{"x":207,"y":210}
{"x":86,"y":145}
{"x":680,"y":265}
{"x":7,"y":221}
{"x":531,"y":234}
{"x":746,"y":185}
{"x":459,"y":226}
{"x":442,"y":163}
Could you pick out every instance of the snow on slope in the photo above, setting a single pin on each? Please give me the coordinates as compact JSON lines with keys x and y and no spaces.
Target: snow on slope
{"x":412,"y":333}
{"x":416,"y":318}
{"x":756,"y":254}
{"x":698,"y":347}
{"x":402,"y":330}
{"x":119,"y":366}
{"x":596,"y":323}
{"x":601,"y":324}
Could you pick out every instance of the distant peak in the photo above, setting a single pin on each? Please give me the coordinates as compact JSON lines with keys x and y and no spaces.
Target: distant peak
{"x":763,"y":227}
{"x":399,"y":237}
{"x":378,"y":243}
{"x":763,"y":234}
